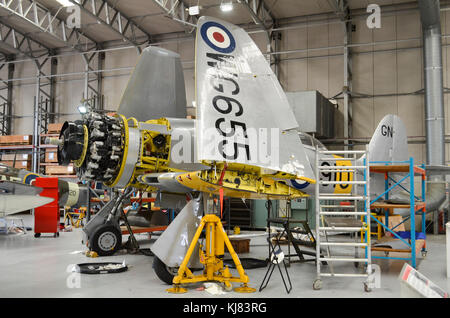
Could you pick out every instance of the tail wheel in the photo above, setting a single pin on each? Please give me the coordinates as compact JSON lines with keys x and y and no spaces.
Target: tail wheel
{"x":164,"y":272}
{"x":106,"y":240}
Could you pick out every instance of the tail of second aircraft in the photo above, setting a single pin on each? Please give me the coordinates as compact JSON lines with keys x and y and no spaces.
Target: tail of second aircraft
{"x":389,"y":141}
{"x":388,"y":144}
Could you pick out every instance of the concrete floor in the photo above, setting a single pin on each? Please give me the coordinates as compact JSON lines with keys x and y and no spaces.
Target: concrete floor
{"x":33,"y":267}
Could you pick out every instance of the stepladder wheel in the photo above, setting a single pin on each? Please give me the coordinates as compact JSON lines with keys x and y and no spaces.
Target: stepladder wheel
{"x":317,"y":284}
{"x":367,"y":289}
{"x":424,"y":254}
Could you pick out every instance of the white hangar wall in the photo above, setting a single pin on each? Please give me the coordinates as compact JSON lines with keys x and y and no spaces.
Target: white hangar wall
{"x":389,"y":72}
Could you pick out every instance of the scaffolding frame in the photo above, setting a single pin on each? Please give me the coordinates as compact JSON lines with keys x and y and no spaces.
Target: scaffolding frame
{"x":348,"y":224}
{"x":411,"y":171}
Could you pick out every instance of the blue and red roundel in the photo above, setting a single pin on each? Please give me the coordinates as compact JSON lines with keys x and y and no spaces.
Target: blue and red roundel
{"x":218,"y":37}
{"x":299,"y":185}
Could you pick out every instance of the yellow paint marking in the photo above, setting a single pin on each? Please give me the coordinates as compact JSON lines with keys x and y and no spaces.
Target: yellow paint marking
{"x":343,"y":176}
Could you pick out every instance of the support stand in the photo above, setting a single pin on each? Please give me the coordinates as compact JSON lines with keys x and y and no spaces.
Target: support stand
{"x":276,"y":258}
{"x":212,"y":259}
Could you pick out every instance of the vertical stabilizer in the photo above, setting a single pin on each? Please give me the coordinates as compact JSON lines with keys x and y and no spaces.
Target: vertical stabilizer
{"x":156,"y":87}
{"x":389,"y":141}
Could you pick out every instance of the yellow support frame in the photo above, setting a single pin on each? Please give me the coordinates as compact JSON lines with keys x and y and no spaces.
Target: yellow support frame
{"x":212,"y":259}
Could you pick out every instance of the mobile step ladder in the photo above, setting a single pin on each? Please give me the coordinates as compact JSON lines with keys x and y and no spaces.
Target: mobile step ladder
{"x":342,"y":183}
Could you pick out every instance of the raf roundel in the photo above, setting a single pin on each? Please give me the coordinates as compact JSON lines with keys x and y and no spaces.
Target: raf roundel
{"x":218,"y":37}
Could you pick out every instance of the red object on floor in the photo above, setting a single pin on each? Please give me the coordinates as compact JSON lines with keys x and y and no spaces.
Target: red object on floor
{"x":46,"y":217}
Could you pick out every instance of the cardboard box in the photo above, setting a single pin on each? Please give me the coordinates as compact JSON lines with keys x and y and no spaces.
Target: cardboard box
{"x":18,"y":164}
{"x":16,"y":157}
{"x":393,"y":221}
{"x":16,"y":140}
{"x":51,"y":155}
{"x":59,"y":170}
{"x":54,"y":128}
{"x":241,"y":245}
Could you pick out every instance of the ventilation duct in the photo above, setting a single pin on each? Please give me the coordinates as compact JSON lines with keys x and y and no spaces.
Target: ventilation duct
{"x":434,"y":98}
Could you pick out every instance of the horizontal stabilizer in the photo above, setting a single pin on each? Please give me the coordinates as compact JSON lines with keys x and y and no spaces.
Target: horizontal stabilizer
{"x":10,"y":204}
{"x":16,"y":188}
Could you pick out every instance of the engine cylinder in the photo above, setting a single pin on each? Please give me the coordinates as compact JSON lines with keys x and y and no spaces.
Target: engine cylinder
{"x":95,"y":144}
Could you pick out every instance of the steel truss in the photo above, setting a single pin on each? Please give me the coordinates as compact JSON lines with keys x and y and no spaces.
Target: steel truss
{"x":44,"y":104}
{"x":342,"y":10}
{"x":6,"y":89}
{"x":93,"y":79}
{"x":176,"y":10}
{"x":45,"y":22}
{"x":115,"y":20}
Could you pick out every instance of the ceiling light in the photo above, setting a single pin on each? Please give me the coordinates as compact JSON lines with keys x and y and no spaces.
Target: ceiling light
{"x":226,"y":6}
{"x":82,"y":109}
{"x":65,"y":3}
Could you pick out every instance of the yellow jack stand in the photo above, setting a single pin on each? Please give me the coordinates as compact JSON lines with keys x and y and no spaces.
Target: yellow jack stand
{"x":212,"y":259}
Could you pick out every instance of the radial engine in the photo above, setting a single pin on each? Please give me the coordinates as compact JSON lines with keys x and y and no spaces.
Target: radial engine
{"x":116,"y":150}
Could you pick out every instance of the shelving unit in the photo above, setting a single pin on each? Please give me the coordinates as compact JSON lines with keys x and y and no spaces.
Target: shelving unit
{"x":415,"y":205}
{"x":13,"y":155}
{"x":43,"y":151}
{"x":240,"y":213}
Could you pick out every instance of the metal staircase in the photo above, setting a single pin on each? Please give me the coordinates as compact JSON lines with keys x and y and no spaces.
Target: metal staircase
{"x":342,"y":211}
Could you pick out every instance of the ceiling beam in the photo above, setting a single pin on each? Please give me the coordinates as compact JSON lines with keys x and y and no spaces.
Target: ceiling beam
{"x":20,"y":43}
{"x":40,"y":17}
{"x":340,"y":7}
{"x":259,"y":13}
{"x":282,"y":24}
{"x":176,"y":10}
{"x":115,"y":20}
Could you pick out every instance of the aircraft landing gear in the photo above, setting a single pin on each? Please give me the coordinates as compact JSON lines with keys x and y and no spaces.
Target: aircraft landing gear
{"x":106,"y":240}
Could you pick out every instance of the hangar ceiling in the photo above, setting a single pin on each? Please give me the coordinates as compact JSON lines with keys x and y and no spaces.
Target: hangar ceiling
{"x":32,"y":28}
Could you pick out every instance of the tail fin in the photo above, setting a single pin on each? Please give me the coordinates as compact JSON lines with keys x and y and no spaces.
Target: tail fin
{"x":389,"y":141}
{"x":236,"y":87}
{"x":156,"y":87}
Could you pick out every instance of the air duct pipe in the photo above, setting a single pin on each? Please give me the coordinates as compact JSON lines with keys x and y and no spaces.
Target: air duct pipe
{"x":434,"y":99}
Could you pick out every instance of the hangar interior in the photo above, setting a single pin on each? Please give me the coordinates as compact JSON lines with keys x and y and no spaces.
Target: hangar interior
{"x":59,"y":55}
